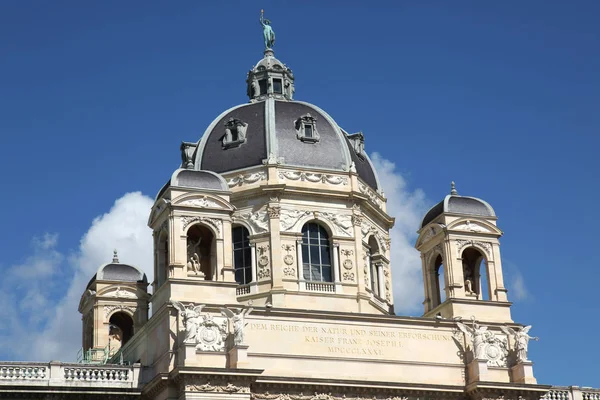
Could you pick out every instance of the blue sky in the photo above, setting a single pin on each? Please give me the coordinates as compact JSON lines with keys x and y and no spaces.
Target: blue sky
{"x":502,"y":97}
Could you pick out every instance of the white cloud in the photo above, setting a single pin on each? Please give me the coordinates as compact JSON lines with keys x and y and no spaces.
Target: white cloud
{"x":52,"y":327}
{"x":517,"y":290}
{"x":408,"y":207}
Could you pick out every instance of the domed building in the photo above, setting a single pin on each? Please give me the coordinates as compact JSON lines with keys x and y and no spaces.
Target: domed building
{"x":272,"y":280}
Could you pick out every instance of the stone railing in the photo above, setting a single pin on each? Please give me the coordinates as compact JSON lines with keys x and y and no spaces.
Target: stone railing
{"x":59,"y":374}
{"x":242,"y":289}
{"x":572,"y":393}
{"x":320,"y":287}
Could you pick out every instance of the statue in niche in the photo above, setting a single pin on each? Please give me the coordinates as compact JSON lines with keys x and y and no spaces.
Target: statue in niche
{"x":469,"y":288}
{"x":268,"y":33}
{"x":115,"y":334}
{"x":255,"y":88}
{"x":194,"y":265}
{"x":191,"y":319}
{"x":239,"y":322}
{"x":521,"y":337}
{"x":468,"y":274}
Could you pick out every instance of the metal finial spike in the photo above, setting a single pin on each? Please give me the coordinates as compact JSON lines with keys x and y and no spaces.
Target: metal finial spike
{"x":115,"y":257}
{"x":453,"y":188}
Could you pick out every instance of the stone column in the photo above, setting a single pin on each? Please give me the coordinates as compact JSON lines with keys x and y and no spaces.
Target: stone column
{"x":299,"y":258}
{"x":381,"y":280}
{"x":253,"y":260}
{"x":277,"y":290}
{"x":336,"y":266}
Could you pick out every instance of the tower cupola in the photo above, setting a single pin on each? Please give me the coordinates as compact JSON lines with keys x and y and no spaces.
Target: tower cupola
{"x":270,"y":78}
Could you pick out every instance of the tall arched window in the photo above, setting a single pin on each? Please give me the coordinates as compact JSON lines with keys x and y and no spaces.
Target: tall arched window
{"x":373,"y":253}
{"x":242,"y":255}
{"x":440,"y":281}
{"x":316,"y":253}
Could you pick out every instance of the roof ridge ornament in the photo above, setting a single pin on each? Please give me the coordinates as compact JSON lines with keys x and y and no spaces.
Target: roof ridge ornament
{"x":115,"y":257}
{"x":453,"y":191}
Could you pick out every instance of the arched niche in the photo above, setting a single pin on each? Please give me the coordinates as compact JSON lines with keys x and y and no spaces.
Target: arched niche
{"x":201,"y":251}
{"x":475,"y":273}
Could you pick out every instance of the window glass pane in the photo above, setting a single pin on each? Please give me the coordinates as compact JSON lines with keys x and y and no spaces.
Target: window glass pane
{"x":262,"y":84}
{"x":239,"y":276}
{"x":308,"y":130}
{"x":306,"y":271}
{"x":314,"y":255}
{"x":327,"y":275}
{"x":238,"y":259}
{"x":277,"y":86}
{"x":247,"y":257}
{"x":325,"y":256}
{"x":237,"y":234}
{"x":305,"y":258}
{"x":316,"y":272}
{"x":248,"y":275}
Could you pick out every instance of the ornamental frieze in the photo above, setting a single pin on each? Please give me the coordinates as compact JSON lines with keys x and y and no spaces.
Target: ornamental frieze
{"x":313,"y":177}
{"x":243,"y":179}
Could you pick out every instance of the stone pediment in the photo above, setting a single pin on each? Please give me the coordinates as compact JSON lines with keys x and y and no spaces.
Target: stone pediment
{"x":202,"y":201}
{"x":475,"y":226}
{"x":429,"y":233}
{"x":158,"y":207}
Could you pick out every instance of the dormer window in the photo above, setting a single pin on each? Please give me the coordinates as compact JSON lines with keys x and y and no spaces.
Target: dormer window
{"x":277,"y":87}
{"x":235,"y":133}
{"x":306,"y":129}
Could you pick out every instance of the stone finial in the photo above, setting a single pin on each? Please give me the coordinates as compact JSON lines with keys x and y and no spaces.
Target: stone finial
{"x":115,"y":257}
{"x":453,"y":189}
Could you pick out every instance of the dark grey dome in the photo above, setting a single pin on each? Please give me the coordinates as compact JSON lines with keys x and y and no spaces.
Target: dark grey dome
{"x":195,"y":179}
{"x":272,"y":128}
{"x":115,"y":271}
{"x":455,"y":204}
{"x":120,"y":272}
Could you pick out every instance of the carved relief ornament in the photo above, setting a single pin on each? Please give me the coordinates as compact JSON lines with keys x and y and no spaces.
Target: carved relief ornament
{"x":313,"y":177}
{"x":108,"y":310}
{"x":485,"y":246}
{"x":202,"y":202}
{"x":217,"y":224}
{"x":242,"y":179}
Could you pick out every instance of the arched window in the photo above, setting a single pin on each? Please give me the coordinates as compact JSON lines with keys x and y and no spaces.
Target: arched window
{"x":475,"y":274}
{"x":316,"y":253}
{"x":242,"y":255}
{"x":440,"y":281}
{"x":373,"y":254}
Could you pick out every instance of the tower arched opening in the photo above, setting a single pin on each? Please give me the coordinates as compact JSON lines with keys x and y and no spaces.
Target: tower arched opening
{"x":120,"y":329}
{"x":201,"y":251}
{"x":439,"y":281}
{"x":475,"y":273}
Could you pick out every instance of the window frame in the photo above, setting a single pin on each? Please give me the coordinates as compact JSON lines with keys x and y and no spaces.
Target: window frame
{"x":322,"y":245}
{"x":245,"y":249}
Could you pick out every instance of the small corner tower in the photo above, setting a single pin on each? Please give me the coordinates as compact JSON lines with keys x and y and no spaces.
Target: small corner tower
{"x":460,"y":253}
{"x":114,"y":307}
